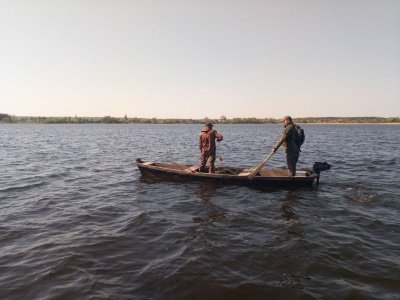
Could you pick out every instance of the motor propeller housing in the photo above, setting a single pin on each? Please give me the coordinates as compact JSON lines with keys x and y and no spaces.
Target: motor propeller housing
{"x":321,"y":166}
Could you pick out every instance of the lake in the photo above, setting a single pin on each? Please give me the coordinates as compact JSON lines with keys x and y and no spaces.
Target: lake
{"x":78,"y":221}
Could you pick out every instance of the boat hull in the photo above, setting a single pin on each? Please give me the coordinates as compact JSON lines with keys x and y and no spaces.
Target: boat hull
{"x":184,"y":173}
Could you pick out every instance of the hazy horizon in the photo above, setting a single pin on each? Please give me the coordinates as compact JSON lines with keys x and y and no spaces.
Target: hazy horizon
{"x":188,"y":118}
{"x":197,"y":59}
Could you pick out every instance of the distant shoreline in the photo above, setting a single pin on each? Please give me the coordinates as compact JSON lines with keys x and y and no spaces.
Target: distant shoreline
{"x":99,"y":123}
{"x":9,"y":119}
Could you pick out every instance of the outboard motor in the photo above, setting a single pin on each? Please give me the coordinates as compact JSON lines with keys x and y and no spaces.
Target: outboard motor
{"x":318,"y":167}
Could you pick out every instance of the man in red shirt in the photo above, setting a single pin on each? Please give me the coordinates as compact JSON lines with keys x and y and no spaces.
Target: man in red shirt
{"x":207,"y":147}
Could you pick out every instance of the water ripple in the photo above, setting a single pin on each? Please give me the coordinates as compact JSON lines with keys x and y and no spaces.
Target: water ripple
{"x":79,"y":222}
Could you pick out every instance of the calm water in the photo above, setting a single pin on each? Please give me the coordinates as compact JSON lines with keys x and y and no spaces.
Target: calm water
{"x":77,"y":221}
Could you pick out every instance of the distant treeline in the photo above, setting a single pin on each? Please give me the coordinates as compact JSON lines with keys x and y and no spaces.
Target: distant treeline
{"x":5,"y":118}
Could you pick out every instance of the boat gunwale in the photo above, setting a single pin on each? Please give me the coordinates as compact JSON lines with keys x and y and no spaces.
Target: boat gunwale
{"x":154,"y":166}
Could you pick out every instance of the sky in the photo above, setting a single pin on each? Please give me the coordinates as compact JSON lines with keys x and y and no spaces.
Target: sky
{"x":200,"y":58}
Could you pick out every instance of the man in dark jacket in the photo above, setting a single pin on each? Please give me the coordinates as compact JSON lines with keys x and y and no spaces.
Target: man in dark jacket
{"x":287,"y":140}
{"x":207,"y":147}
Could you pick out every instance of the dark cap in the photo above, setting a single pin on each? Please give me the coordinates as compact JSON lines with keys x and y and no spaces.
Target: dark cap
{"x":208,"y":124}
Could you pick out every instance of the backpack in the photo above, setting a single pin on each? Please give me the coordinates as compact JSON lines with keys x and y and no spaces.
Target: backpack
{"x":299,"y":135}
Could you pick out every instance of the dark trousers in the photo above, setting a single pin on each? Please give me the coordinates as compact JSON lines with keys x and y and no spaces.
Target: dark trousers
{"x":291,"y":160}
{"x":207,"y":156}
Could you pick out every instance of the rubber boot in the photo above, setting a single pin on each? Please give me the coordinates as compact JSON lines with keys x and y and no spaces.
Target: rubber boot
{"x":212,"y":168}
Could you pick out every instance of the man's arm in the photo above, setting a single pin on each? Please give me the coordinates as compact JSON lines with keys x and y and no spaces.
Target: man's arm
{"x":218,"y":136}
{"x":200,"y":142}
{"x":283,"y":138}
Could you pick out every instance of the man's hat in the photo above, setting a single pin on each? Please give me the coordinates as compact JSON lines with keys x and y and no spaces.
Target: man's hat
{"x":289,"y":118}
{"x":207,"y":126}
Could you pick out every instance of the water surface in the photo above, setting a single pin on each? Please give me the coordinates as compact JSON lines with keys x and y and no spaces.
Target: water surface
{"x":77,"y":220}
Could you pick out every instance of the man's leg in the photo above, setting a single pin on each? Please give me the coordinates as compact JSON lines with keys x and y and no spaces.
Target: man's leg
{"x":295,"y":159}
{"x":203,"y":161}
{"x":291,"y":160}
{"x":212,"y":163}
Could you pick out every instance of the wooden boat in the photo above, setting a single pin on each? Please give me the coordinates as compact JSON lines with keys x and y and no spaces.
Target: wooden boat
{"x":234,"y":175}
